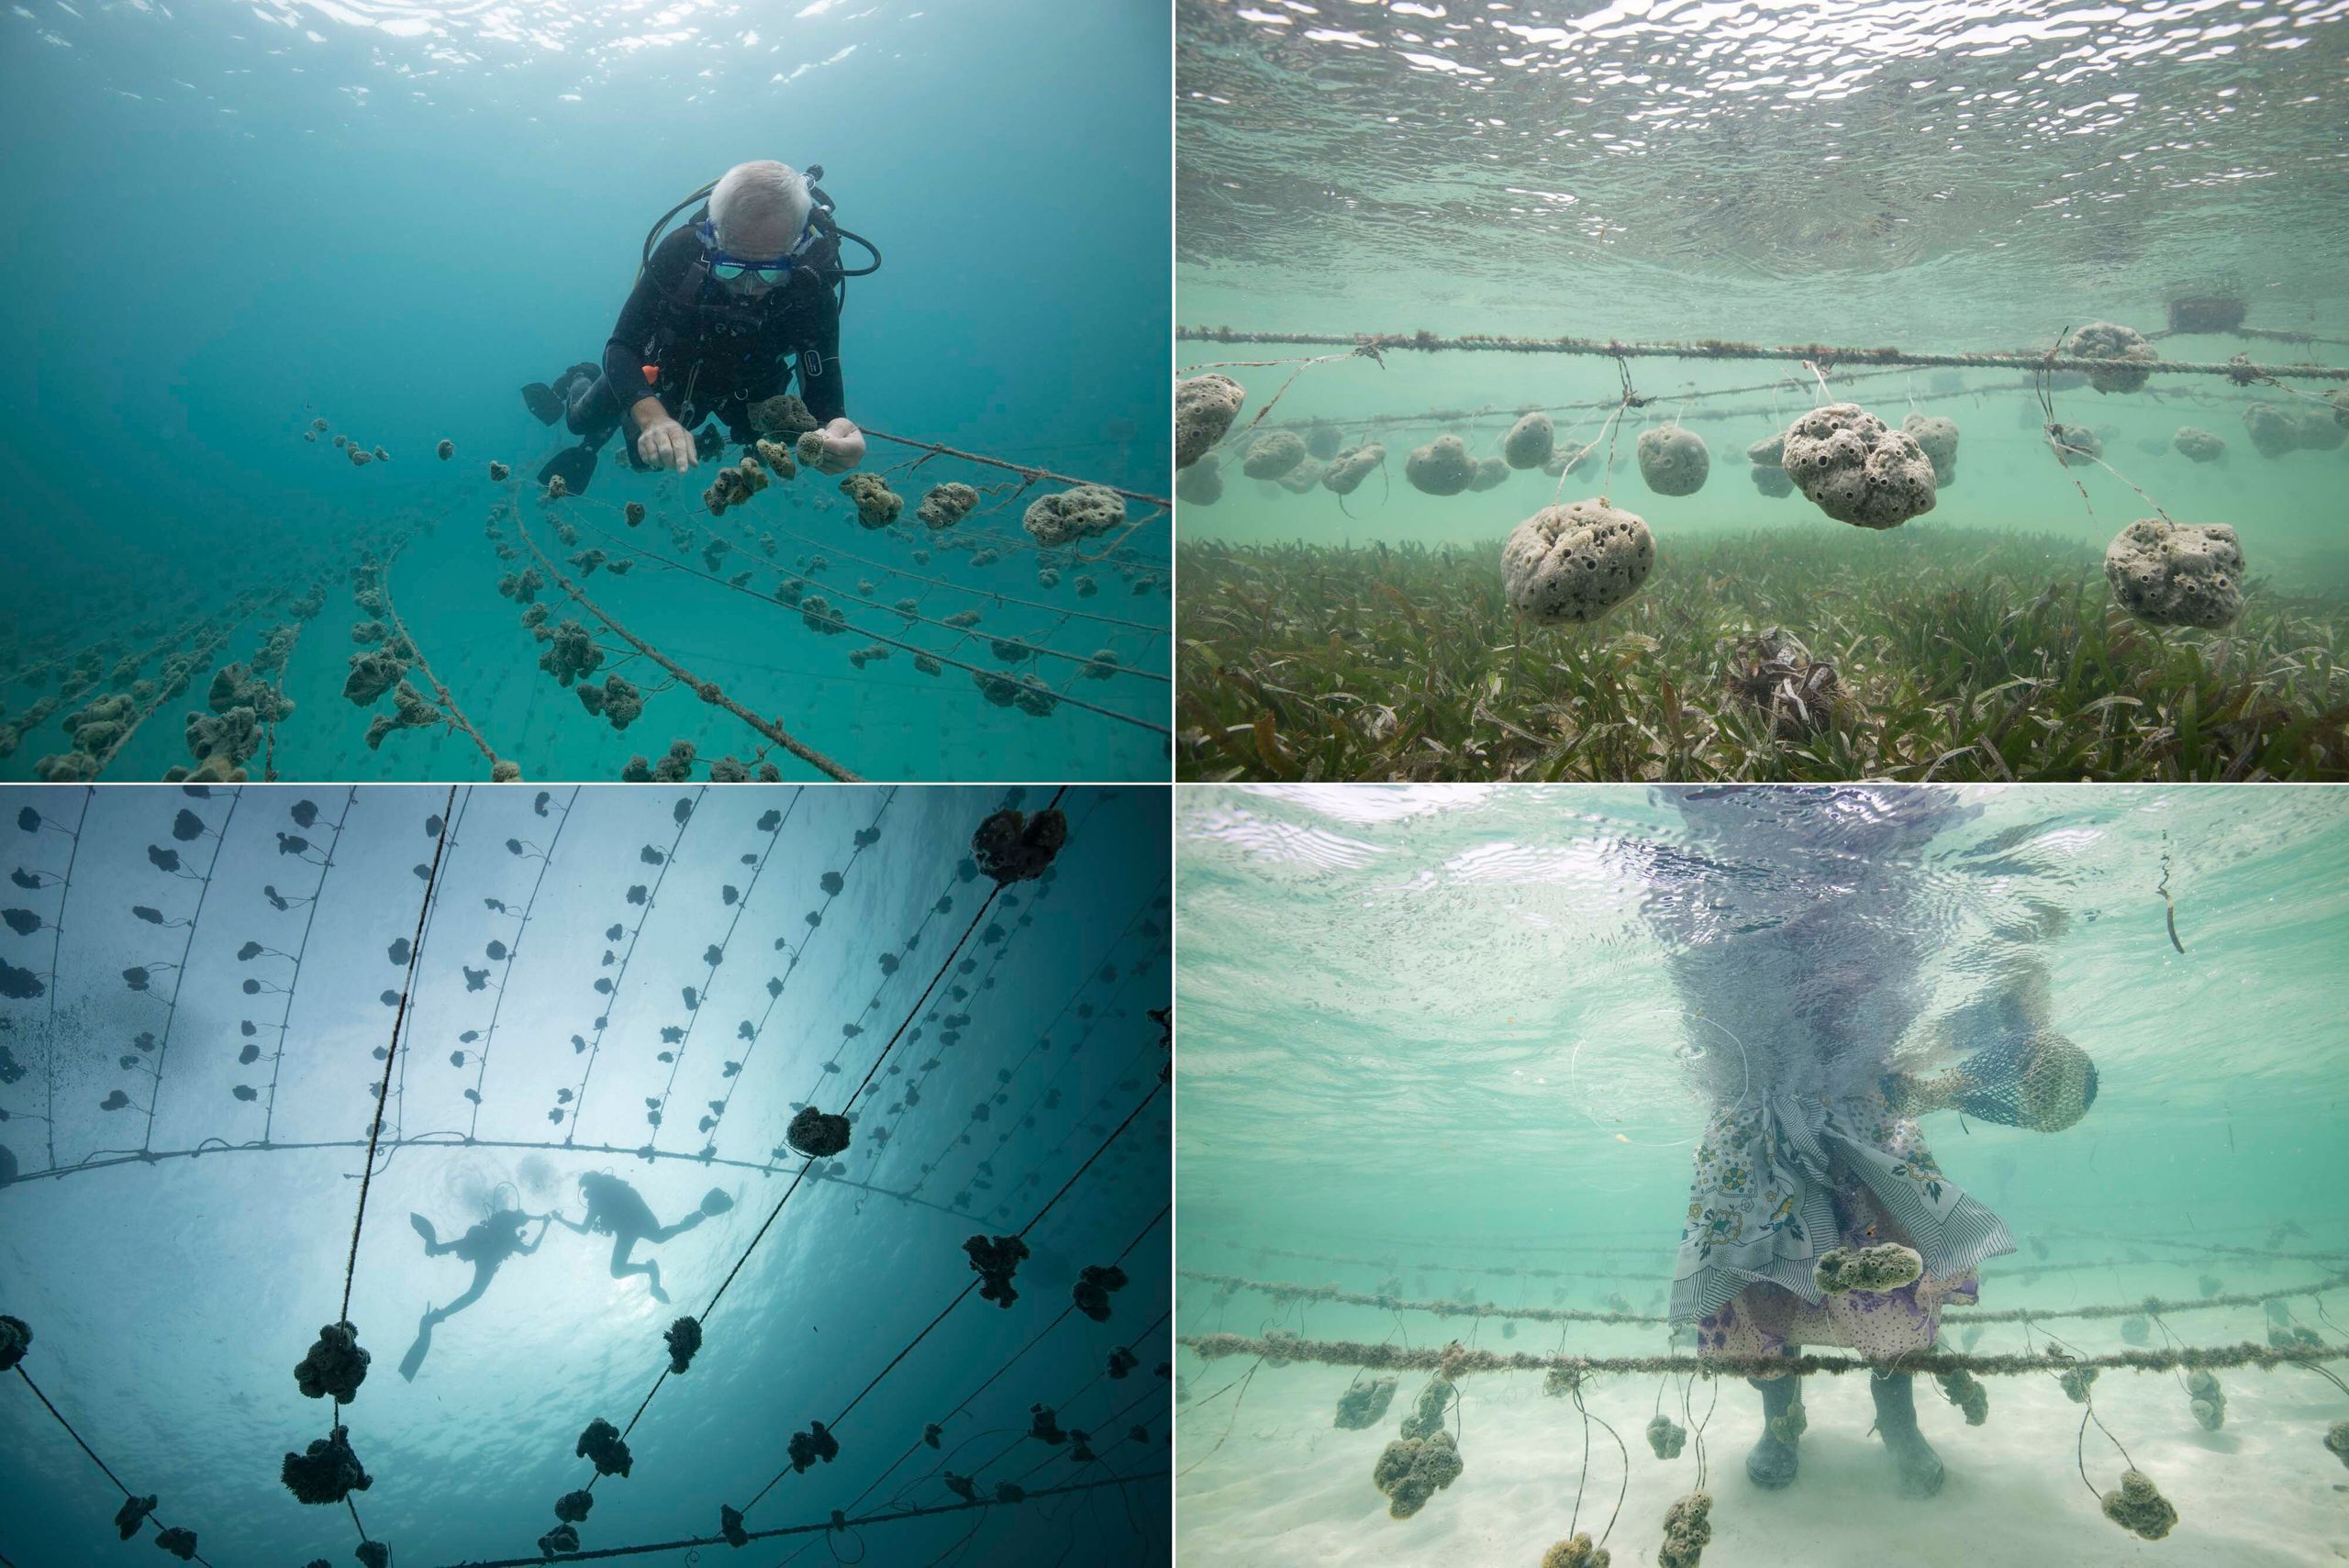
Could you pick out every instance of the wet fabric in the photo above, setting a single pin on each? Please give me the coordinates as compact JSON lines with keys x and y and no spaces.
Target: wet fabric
{"x":1779,"y":1183}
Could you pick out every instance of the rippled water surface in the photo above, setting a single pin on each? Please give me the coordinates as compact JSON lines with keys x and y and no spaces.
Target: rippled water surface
{"x":1911,"y":172}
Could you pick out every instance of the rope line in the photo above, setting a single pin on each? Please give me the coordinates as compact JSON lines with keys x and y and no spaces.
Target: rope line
{"x":85,"y":1448}
{"x":1372,"y":344}
{"x":1025,"y":472}
{"x":1282,"y":1293}
{"x":448,"y":699}
{"x":963,"y":634}
{"x":1454,"y":1359}
{"x":695,"y":1541}
{"x":898,"y":643}
{"x":514,"y":951}
{"x":776,"y":1212}
{"x":399,"y":1017}
{"x":619,"y":976}
{"x":179,"y":971}
{"x":56,"y":945}
{"x":708,"y":689}
{"x":284,"y":1019}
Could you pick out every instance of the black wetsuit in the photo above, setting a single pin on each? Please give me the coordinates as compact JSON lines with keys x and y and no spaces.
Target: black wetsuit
{"x":714,"y":353}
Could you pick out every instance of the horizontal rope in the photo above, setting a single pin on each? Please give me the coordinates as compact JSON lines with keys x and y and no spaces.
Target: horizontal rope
{"x":693,"y":1541}
{"x":458,"y":1140}
{"x":1374,"y":344}
{"x":1023,"y":469}
{"x":1282,"y":1293}
{"x":1454,"y":1360}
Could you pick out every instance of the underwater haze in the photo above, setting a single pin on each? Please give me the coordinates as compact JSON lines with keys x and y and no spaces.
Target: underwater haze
{"x":1448,"y":1055}
{"x":203,"y":989}
{"x":1761,"y":203}
{"x":388,"y":217}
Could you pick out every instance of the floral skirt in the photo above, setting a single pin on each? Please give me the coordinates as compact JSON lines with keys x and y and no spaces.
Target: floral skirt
{"x":1765,"y":1318}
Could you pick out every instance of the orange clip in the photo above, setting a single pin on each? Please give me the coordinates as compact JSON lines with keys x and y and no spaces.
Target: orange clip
{"x":651,"y":374}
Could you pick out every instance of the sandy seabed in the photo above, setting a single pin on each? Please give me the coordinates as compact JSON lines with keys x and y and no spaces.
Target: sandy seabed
{"x":1286,"y":1488}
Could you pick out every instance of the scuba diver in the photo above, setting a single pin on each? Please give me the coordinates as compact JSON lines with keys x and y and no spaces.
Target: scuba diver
{"x":1798,"y":925}
{"x":486,"y":1246}
{"x":721,"y":311}
{"x":618,"y":1210}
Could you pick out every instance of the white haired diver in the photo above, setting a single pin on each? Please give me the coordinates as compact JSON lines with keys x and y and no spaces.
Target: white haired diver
{"x":726,"y":312}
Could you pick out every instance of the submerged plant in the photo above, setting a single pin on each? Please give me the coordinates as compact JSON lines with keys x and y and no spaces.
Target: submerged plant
{"x":1954,"y":655}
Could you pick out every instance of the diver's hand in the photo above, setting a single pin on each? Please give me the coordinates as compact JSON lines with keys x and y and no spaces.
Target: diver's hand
{"x":843,"y":446}
{"x":662,"y":442}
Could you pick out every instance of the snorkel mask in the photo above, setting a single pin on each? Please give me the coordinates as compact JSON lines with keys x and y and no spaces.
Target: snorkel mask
{"x":772,"y":271}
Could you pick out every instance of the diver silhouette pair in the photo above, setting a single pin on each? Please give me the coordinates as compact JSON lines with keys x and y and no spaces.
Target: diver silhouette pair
{"x":614,"y":1209}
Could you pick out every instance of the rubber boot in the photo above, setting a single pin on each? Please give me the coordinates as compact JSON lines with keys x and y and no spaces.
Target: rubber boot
{"x":1896,"y":1422}
{"x":1772,"y":1464}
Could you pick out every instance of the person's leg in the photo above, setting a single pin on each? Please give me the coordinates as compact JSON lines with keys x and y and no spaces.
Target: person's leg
{"x":1775,"y":1459}
{"x":621,"y":1268}
{"x":1896,"y":1422}
{"x":671,"y":1232}
{"x":482,"y":1275}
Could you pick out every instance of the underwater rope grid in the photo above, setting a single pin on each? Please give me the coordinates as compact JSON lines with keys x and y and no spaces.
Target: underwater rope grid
{"x":1374,"y":344}
{"x":513,"y":949}
{"x":1015,"y":1357}
{"x":802,"y":1174}
{"x":284,"y":1019}
{"x":708,"y":691}
{"x":1035,"y":1221}
{"x":718,"y":955}
{"x":1044,"y":650}
{"x":56,"y":942}
{"x":683,"y":816}
{"x":775,"y":998}
{"x":148,"y":1514}
{"x":937,"y":1160}
{"x":179,"y":972}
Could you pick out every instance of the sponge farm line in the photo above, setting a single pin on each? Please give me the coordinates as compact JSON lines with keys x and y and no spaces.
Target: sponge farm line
{"x":1008,"y":848}
{"x":1427,"y":1457}
{"x":1376,"y":345}
{"x":1287,"y":1293}
{"x":934,"y":636}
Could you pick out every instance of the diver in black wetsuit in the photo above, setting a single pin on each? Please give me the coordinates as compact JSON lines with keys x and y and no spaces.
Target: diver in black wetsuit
{"x":724,"y":311}
{"x":486,"y":1246}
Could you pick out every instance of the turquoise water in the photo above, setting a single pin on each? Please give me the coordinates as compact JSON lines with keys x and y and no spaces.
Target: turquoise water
{"x":724,"y":956}
{"x":1456,"y":1045}
{"x":1941,"y":178}
{"x":388,"y":216}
